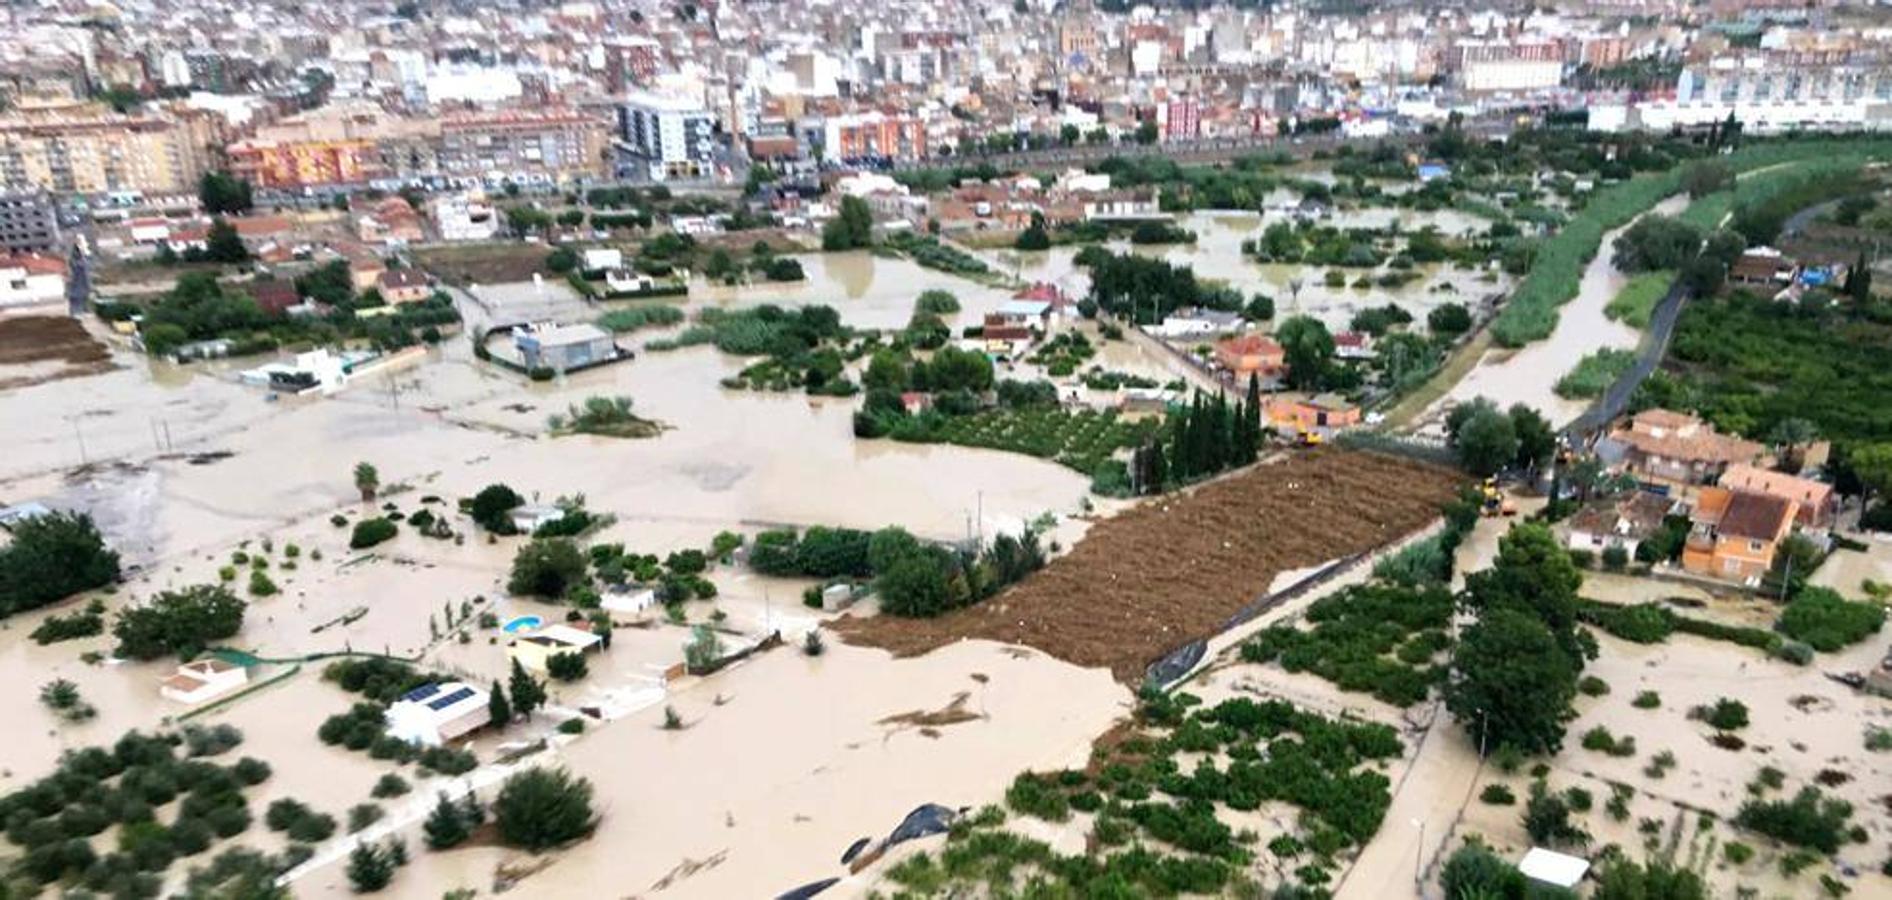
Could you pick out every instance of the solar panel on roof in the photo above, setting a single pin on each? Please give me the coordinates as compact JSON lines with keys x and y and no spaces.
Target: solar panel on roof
{"x":421,"y":693}
{"x":450,"y":699}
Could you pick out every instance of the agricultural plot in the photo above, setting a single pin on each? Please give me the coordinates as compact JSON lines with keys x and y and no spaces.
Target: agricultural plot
{"x":1081,"y":440}
{"x":1175,"y":568}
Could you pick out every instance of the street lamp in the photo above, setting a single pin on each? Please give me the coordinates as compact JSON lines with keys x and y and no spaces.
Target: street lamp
{"x":1419,"y":855}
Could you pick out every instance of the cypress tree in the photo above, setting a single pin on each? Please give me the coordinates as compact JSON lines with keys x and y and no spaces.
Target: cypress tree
{"x":497,"y":709}
{"x":446,"y":826}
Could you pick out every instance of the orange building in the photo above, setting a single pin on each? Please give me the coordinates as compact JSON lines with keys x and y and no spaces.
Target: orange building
{"x":1248,"y":354}
{"x":279,"y":164}
{"x":1321,"y":414}
{"x":1735,"y":534}
{"x":875,"y":134}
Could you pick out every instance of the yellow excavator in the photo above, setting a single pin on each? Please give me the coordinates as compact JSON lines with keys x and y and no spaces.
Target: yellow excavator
{"x":1496,"y":503}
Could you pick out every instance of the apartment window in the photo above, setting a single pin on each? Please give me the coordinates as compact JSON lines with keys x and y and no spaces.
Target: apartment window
{"x":1754,"y":546}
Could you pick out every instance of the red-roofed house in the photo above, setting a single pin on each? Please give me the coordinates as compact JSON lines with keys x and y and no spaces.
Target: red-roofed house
{"x":403,"y":286}
{"x":274,"y":295}
{"x":1734,"y":534}
{"x":1251,"y":354}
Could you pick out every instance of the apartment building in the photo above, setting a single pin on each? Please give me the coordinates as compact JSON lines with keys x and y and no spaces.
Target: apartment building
{"x":360,"y":143}
{"x":87,"y":150}
{"x":1510,"y":66}
{"x":874,"y":134}
{"x":1767,"y":92}
{"x":28,"y":223}
{"x":673,"y":135}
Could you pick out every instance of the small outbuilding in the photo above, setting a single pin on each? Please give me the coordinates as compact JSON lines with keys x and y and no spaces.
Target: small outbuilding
{"x":1553,"y":868}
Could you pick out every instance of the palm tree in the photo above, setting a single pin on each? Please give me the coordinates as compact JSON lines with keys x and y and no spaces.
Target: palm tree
{"x":367,"y":481}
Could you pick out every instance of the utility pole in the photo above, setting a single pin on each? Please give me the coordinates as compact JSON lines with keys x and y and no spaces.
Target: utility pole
{"x":80,"y":436}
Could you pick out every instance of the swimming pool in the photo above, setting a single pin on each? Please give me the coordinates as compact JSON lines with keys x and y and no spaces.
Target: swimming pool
{"x":523,"y":623}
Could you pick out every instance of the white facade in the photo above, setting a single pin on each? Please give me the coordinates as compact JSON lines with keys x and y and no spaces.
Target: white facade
{"x":24,"y":286}
{"x":432,"y":714}
{"x":1513,"y":74}
{"x":463,"y":217}
{"x":203,"y":679}
{"x":1755,"y":117}
{"x":673,"y":134}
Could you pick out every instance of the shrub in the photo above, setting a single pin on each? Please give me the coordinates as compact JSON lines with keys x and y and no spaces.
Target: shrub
{"x":1592,"y":686}
{"x":369,"y":532}
{"x":1036,"y":795}
{"x":1497,"y":795}
{"x":1810,"y":819}
{"x":1600,"y":739}
{"x":1726,"y":714}
{"x":542,"y":808}
{"x":565,"y":666}
{"x":1647,"y":700}
{"x":1827,"y":622}
{"x":389,"y":785}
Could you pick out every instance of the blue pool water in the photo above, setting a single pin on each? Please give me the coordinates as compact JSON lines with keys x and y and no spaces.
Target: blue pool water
{"x":523,"y":623}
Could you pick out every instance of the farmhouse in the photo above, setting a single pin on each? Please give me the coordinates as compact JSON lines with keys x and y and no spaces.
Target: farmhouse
{"x":204,"y":679}
{"x":433,"y":714}
{"x":1251,"y":354}
{"x":1618,"y":522}
{"x":1815,"y":502}
{"x":532,"y":650}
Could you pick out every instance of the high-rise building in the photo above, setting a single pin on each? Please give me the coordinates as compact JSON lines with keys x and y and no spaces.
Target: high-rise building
{"x":28,"y":222}
{"x":874,"y":134}
{"x":87,"y":150}
{"x":673,"y":135}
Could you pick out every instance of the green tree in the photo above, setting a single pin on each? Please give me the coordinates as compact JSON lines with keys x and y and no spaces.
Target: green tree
{"x":852,"y":228}
{"x":1475,"y":873}
{"x":561,"y":260}
{"x":180,"y":622}
{"x":446,"y":827}
{"x":367,"y":481}
{"x":498,"y":710}
{"x":224,"y":194}
{"x":1449,"y":320}
{"x":1308,"y":349}
{"x":547,"y":567}
{"x":1146,"y":132}
{"x":704,"y":650}
{"x":1704,"y":177}
{"x":223,"y":244}
{"x":1486,"y":440}
{"x":1511,"y":684}
{"x":370,"y":868}
{"x":52,"y":557}
{"x":1035,"y":236}
{"x":914,"y":585}
{"x":1872,"y":463}
{"x":566,"y":666}
{"x":539,"y":809}
{"x":1537,"y":440}
{"x":1659,"y":880}
{"x":527,"y":693}
{"x":1533,"y":574}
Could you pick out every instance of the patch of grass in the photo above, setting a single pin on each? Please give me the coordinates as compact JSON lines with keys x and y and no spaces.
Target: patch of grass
{"x":1595,"y":373}
{"x":1636,"y":302}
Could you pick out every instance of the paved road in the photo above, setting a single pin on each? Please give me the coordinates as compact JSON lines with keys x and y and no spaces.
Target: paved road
{"x":1655,"y":345}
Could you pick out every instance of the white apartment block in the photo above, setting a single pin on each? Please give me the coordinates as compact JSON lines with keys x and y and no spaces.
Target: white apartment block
{"x":674,"y":135}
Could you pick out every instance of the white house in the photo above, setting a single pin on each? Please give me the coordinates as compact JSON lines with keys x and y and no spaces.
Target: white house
{"x":204,"y":679}
{"x":433,"y":714}
{"x":534,"y":649}
{"x":598,"y":259}
{"x":529,"y":517}
{"x":629,"y":600}
{"x":31,"y":280}
{"x":1185,"y":323}
{"x":464,"y":217}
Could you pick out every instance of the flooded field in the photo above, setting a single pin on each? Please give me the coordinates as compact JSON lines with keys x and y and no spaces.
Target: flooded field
{"x":1530,"y":375}
{"x":1297,"y":290}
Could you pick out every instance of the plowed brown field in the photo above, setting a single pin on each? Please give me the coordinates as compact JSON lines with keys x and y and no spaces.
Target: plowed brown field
{"x":1175,"y":568}
{"x":32,"y":340}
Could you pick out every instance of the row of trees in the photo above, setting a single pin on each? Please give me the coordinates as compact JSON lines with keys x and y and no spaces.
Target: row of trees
{"x":1199,"y":440}
{"x":1515,"y":670}
{"x":913,"y":578}
{"x":1488,"y":439}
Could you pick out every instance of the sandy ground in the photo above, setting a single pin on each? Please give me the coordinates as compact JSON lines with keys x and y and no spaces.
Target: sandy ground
{"x":1801,"y":723}
{"x":188,"y":466}
{"x":1529,"y":375}
{"x":783,"y":763}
